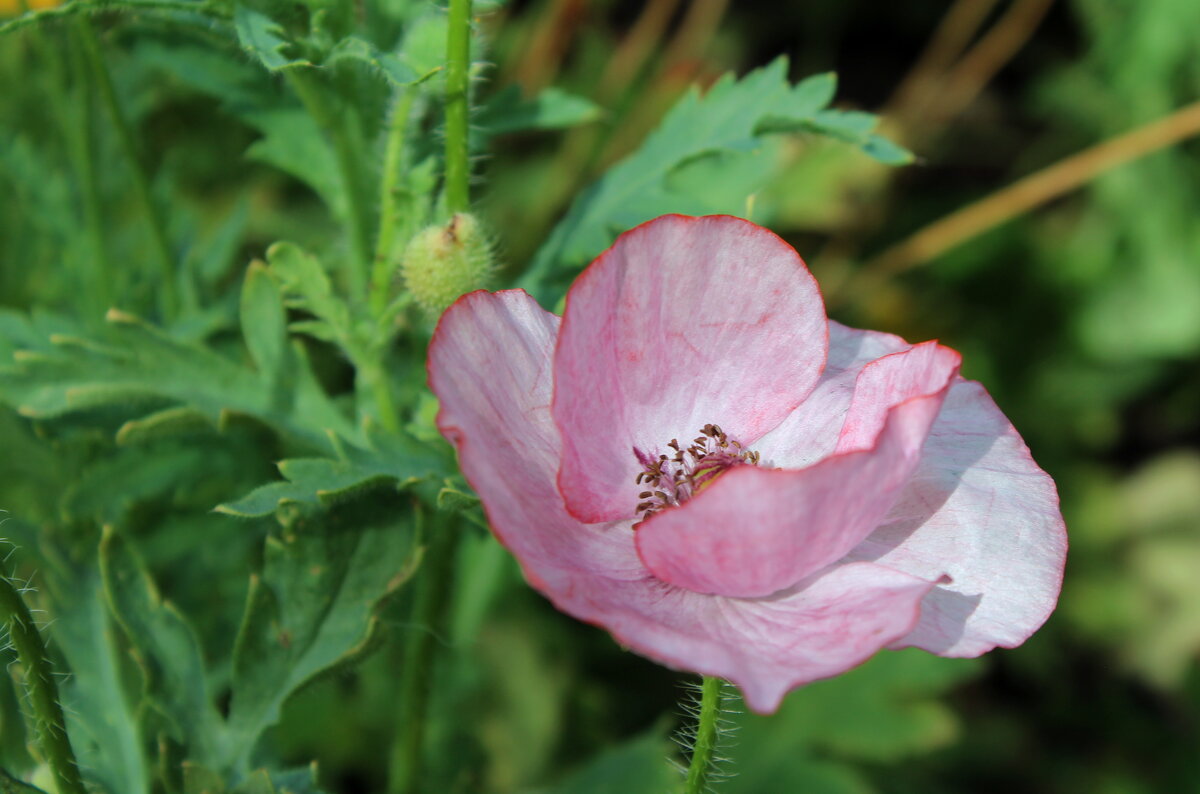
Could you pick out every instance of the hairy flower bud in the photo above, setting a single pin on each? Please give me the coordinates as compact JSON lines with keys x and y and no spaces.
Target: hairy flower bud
{"x":444,"y":262}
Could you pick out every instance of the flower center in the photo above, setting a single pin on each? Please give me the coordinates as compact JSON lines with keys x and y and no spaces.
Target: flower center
{"x":673,"y":479}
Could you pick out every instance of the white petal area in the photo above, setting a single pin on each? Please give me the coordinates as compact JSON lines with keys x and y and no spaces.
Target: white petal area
{"x":810,"y":432}
{"x":980,"y":510}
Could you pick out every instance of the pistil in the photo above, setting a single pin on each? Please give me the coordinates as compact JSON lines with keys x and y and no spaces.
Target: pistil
{"x":673,"y":479}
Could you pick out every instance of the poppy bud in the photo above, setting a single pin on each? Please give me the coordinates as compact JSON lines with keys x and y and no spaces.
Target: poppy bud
{"x":444,"y":262}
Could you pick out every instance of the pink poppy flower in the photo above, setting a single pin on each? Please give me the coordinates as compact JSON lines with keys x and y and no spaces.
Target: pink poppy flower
{"x":695,"y":458}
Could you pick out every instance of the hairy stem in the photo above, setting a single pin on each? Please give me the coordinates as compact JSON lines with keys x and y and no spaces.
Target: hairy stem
{"x":50,"y":727}
{"x":141,"y":183}
{"x":381,"y":273}
{"x":706,"y":736}
{"x":458,"y":54}
{"x":347,"y":149}
{"x":430,"y":608}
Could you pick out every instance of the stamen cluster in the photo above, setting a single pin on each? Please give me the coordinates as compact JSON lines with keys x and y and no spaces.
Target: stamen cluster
{"x":674,"y":479}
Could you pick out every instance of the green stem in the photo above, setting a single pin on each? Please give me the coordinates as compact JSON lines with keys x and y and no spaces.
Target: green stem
{"x":38,"y":679}
{"x":141,"y":183}
{"x":381,"y":274}
{"x":374,"y":376}
{"x":347,"y":151}
{"x":458,"y":62}
{"x":706,"y":736}
{"x":430,"y":610}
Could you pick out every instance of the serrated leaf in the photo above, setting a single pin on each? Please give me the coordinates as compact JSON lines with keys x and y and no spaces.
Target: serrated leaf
{"x":263,"y":38}
{"x":313,"y":607}
{"x":167,"y":651}
{"x":142,"y":364}
{"x":323,"y":481}
{"x":308,"y":285}
{"x":729,"y":120}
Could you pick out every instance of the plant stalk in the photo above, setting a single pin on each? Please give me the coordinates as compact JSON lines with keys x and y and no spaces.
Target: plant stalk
{"x":49,"y":725}
{"x":458,"y":63}
{"x":430,"y":610}
{"x":347,"y":152}
{"x":706,"y":736}
{"x":381,"y":273}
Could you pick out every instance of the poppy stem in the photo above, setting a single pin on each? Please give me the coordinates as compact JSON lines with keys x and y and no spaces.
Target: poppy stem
{"x":458,"y":63}
{"x":429,"y":615}
{"x":46,"y":714}
{"x":705,"y":744}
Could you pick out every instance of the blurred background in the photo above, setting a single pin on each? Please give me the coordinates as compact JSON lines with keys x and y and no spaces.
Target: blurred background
{"x":1075,"y":298}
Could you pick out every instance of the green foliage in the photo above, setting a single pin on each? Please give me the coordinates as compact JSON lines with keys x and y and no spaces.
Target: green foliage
{"x":211,"y":625}
{"x":883,"y":711}
{"x":708,"y":155}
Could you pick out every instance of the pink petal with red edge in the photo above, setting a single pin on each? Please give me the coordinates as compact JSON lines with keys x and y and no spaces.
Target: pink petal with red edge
{"x":489,"y":365}
{"x":980,"y":510}
{"x":756,"y":531}
{"x":683,"y":322}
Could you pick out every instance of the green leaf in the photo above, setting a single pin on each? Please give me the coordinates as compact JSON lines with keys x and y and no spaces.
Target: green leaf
{"x":141,"y":364}
{"x":722,"y":130}
{"x":552,"y":108}
{"x":354,"y":50}
{"x":398,"y":460}
{"x":263,"y":38}
{"x":293,"y":143}
{"x":297,"y":781}
{"x":314,"y":606}
{"x":264,"y":327}
{"x":307,"y":284}
{"x":199,"y":779}
{"x":259,"y":782}
{"x":166,"y":649}
{"x":639,"y":766}
{"x":104,"y":725}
